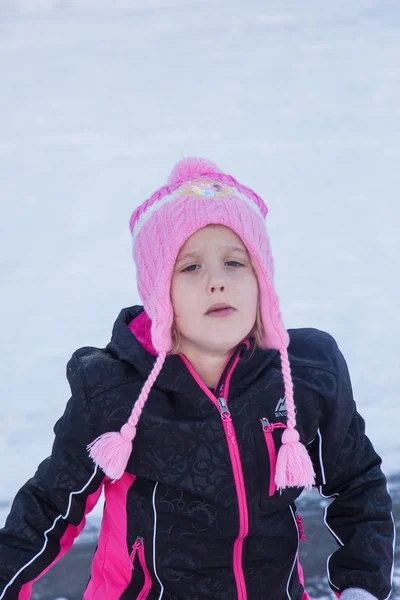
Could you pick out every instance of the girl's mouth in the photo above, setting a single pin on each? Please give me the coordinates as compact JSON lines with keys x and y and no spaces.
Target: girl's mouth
{"x":222,"y":312}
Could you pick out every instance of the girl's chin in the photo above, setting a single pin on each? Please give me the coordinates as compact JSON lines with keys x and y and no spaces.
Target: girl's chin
{"x":221,"y":343}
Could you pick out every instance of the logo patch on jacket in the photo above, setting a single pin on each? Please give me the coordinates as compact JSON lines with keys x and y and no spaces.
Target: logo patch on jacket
{"x":281,"y":408}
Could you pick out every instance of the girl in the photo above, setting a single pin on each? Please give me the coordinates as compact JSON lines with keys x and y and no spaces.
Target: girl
{"x":204,"y":420}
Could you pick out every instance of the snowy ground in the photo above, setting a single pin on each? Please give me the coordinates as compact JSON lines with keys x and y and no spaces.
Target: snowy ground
{"x":299,"y":99}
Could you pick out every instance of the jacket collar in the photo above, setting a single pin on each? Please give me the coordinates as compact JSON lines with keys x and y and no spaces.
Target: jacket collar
{"x":131,"y":342}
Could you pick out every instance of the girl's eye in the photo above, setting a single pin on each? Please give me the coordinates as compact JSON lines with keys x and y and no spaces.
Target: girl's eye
{"x":236,"y":262}
{"x":190,"y":270}
{"x":187,"y":268}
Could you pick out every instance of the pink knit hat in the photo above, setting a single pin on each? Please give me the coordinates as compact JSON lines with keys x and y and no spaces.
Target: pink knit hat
{"x":199,"y":194}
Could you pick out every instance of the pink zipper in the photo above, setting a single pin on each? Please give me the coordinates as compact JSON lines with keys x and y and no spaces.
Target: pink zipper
{"x":268,"y":428}
{"x":230,"y":434}
{"x":138,"y":543}
{"x":300,"y":527}
{"x":138,"y":548}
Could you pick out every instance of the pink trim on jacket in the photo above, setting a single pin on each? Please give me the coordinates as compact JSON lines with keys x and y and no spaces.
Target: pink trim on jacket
{"x":236,"y":468}
{"x":272,"y":453}
{"x":305,"y":596}
{"x":147,"y":577}
{"x":111,"y":568}
{"x":66,"y":542}
{"x":243,"y":509}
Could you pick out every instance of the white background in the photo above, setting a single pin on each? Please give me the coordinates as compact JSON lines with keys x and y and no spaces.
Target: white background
{"x":298,"y":99}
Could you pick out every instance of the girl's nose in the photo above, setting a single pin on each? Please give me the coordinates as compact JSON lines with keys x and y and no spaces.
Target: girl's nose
{"x":216,"y":281}
{"x":216,"y":288}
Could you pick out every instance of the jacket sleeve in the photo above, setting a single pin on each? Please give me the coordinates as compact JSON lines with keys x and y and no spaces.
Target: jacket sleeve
{"x":348,"y":472}
{"x":49,"y":511}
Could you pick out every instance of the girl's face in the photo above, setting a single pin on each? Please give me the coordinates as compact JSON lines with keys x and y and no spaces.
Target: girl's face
{"x":218,"y":270}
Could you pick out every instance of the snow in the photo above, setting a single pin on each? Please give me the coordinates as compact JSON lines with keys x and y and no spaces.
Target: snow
{"x":100,"y":98}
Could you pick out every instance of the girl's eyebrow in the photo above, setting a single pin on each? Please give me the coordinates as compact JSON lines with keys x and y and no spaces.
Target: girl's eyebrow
{"x":197,"y":253}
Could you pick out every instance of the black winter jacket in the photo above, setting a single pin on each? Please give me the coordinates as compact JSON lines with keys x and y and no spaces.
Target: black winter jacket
{"x":196,"y":514}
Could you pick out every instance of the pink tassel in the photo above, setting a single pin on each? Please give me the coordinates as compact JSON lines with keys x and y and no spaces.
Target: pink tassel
{"x":293,"y":466}
{"x":111,"y":451}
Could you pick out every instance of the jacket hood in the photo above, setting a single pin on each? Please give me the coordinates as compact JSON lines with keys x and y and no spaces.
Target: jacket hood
{"x":131,"y":342}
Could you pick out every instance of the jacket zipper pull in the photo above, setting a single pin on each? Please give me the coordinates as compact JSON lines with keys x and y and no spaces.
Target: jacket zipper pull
{"x":269,"y":427}
{"x":138,"y":543}
{"x":266,"y":425}
{"x":223,"y":408}
{"x":226,"y":417}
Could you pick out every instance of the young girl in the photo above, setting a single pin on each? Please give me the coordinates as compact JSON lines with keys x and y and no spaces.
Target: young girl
{"x":203,"y":420}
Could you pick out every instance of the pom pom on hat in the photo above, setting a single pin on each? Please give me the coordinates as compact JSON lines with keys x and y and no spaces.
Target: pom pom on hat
{"x":192,"y":168}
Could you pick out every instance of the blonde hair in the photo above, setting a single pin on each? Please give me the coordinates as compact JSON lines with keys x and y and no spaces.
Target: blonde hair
{"x":257,"y":332}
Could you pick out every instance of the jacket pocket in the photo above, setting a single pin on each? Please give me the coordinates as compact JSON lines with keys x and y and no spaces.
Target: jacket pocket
{"x":136,"y":557}
{"x":268,"y":429}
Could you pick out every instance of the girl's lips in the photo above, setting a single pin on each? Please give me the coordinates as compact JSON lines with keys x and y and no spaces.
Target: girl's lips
{"x":225,"y":312}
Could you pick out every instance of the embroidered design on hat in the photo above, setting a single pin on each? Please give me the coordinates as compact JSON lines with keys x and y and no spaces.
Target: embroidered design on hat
{"x":205,"y":187}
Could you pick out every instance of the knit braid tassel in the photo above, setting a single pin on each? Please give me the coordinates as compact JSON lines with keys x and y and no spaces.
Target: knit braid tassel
{"x":293,"y":465}
{"x":111,"y":451}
